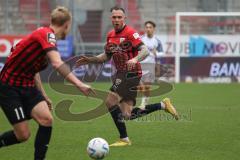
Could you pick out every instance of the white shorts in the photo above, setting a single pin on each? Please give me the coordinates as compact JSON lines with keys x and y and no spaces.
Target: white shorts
{"x":148,"y":72}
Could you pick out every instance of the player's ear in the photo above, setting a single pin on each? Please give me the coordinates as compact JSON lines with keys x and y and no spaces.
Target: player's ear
{"x":65,"y":25}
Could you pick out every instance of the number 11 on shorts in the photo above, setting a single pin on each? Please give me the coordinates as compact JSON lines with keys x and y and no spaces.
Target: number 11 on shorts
{"x":19,"y":113}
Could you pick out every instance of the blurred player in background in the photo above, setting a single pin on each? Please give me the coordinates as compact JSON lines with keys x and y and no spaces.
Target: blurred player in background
{"x":22,"y":96}
{"x":149,"y":64}
{"x":126,"y":48}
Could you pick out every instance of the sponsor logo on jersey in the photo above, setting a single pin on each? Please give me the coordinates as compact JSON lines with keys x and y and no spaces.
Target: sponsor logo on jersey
{"x":118,"y":81}
{"x":136,"y":35}
{"x":51,"y":38}
{"x":122,"y":39}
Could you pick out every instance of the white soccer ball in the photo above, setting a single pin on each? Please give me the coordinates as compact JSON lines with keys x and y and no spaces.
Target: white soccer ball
{"x":97,"y":148}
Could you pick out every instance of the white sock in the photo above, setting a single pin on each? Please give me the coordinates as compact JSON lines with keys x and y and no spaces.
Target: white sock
{"x":145,"y":101}
{"x":162,"y":105}
{"x":125,"y":139}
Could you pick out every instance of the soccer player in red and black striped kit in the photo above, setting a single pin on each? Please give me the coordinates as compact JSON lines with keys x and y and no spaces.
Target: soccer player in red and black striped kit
{"x":126,"y":49}
{"x":22,"y":96}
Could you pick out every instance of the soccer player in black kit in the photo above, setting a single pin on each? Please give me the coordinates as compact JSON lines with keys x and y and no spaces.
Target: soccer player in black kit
{"x":22,"y":96}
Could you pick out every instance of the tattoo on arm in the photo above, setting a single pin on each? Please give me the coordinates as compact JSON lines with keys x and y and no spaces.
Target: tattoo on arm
{"x":101,"y":58}
{"x":142,"y":54}
{"x":95,"y":59}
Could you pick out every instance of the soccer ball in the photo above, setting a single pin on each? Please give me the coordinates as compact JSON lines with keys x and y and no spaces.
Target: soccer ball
{"x":97,"y":148}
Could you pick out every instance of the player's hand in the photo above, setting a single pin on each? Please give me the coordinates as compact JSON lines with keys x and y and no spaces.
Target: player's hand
{"x":131,"y":64}
{"x":82,"y":61}
{"x":49,"y":102}
{"x":86,"y":90}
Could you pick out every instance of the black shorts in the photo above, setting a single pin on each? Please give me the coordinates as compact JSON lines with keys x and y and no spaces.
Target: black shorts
{"x":125,"y":85}
{"x":18,"y":102}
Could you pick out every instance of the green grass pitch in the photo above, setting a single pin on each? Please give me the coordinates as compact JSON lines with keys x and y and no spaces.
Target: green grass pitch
{"x":209,"y":129}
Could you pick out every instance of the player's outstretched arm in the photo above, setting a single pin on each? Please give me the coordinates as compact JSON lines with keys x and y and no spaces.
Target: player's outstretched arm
{"x":65,"y":71}
{"x":101,"y":58}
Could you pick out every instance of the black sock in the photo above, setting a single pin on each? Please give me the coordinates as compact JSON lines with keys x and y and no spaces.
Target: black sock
{"x":8,"y":138}
{"x":118,"y":120}
{"x":137,"y":112}
{"x":41,"y":142}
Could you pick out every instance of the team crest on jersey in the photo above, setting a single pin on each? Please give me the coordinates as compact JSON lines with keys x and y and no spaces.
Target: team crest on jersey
{"x":122,"y":39}
{"x":118,"y":81}
{"x":51,"y":38}
{"x":136,"y":35}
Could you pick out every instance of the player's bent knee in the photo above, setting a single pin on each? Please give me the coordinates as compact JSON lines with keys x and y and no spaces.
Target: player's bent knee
{"x":23,"y":135}
{"x":110,"y":104}
{"x":111,"y":100}
{"x":46,"y":121}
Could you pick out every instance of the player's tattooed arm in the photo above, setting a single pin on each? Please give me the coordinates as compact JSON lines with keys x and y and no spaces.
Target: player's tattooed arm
{"x":142,"y":53}
{"x":101,"y":58}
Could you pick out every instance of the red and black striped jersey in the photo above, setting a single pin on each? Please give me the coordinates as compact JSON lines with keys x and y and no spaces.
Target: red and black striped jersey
{"x":123,"y":46}
{"x":28,"y":57}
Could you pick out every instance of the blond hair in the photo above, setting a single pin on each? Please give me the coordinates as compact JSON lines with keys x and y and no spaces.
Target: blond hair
{"x":60,"y":15}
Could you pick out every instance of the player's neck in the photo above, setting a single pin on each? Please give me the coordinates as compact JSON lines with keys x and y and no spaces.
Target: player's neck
{"x":56,"y":30}
{"x":150,"y":35}
{"x":120,"y":29}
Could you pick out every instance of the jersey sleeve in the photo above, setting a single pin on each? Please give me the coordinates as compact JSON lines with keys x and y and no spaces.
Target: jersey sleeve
{"x":159,"y":45}
{"x":135,"y":39}
{"x":47,"y":40}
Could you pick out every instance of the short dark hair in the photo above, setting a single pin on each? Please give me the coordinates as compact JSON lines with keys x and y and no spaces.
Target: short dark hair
{"x":117,"y":8}
{"x":150,"y":22}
